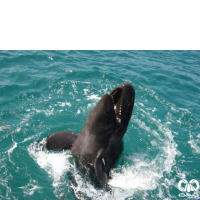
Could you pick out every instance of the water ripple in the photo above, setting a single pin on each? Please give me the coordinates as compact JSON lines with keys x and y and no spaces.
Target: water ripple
{"x":46,"y":91}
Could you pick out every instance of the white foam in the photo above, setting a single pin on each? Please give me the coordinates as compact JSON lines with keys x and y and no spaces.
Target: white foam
{"x":136,"y":178}
{"x":194,"y":143}
{"x":55,"y":164}
{"x":68,"y":104}
{"x":91,"y":105}
{"x":30,"y":188}
{"x":46,"y":112}
{"x":141,"y":175}
{"x":69,"y":70}
{"x":86,"y":91}
{"x":4,"y":128}
{"x":93,"y":97}
{"x":12,"y":148}
{"x":154,"y":109}
{"x":153,"y":143}
{"x":170,"y":152}
{"x":142,"y":125}
{"x":144,"y":174}
{"x":50,"y":58}
{"x":141,"y":104}
{"x":27,"y":139}
{"x":63,"y":104}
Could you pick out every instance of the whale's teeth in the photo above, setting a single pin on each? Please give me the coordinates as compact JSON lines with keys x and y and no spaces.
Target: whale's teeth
{"x":115,"y":107}
{"x":119,"y":120}
{"x":112,"y":100}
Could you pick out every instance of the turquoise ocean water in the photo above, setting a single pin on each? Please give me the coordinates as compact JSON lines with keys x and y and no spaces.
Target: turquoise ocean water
{"x":42,"y":92}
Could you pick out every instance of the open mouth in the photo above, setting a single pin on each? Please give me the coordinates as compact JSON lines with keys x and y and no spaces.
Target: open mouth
{"x":117,"y":103}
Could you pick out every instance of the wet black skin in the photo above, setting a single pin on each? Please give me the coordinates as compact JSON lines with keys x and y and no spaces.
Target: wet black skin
{"x":99,"y":144}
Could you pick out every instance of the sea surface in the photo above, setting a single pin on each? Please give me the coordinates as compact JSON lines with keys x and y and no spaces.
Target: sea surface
{"x":42,"y":92}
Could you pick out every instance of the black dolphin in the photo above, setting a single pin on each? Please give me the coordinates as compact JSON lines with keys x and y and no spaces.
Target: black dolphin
{"x":99,"y":144}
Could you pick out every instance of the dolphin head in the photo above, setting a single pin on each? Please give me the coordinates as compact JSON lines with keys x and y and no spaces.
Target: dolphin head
{"x":113,"y":112}
{"x":123,"y":97}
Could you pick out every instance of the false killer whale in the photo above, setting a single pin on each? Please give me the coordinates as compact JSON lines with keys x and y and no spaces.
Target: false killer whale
{"x":99,"y":144}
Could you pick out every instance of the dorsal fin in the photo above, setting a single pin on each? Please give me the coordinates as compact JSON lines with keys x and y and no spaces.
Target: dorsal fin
{"x":62,"y":140}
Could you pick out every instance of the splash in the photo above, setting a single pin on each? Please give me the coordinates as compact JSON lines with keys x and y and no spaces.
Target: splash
{"x":30,"y":188}
{"x":55,"y":164}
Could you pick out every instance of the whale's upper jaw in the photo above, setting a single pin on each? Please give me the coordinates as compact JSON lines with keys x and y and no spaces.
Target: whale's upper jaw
{"x":116,"y":97}
{"x":123,"y":97}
